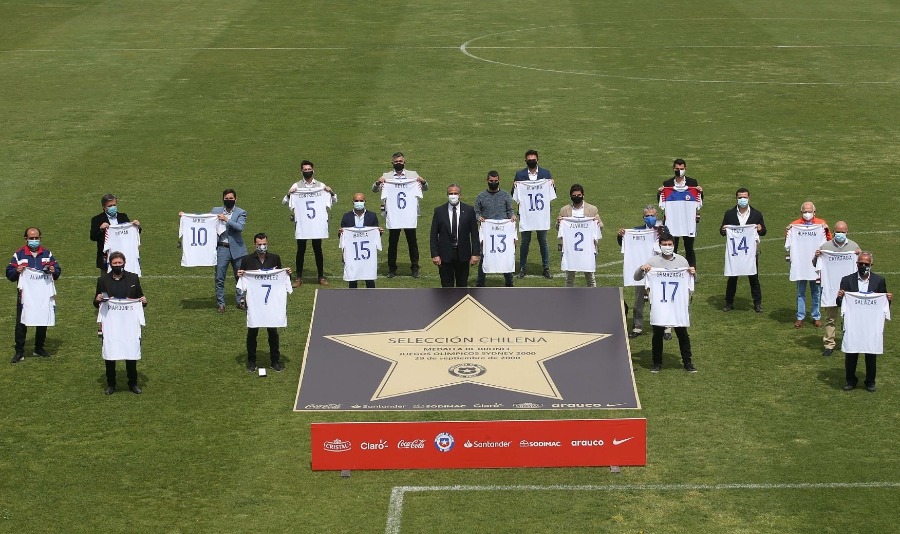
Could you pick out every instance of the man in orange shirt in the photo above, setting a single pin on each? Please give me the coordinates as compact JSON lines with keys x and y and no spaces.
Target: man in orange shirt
{"x":808,"y":217}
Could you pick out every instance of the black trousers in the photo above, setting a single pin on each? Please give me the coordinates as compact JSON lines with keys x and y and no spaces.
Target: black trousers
{"x":455,"y":273}
{"x":274,"y":353}
{"x":684,"y":343}
{"x":689,"y":254}
{"x":353,"y":284}
{"x":317,"y":252}
{"x":130,"y":369}
{"x":850,"y":361}
{"x":479,"y":281}
{"x":755,"y":290}
{"x":40,"y":332}
{"x":411,"y":241}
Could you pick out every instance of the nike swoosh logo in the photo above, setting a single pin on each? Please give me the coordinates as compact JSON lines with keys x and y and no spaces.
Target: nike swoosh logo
{"x":621,"y":441}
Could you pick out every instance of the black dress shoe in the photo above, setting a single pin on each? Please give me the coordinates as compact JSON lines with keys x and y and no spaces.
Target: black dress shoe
{"x":757,"y":308}
{"x":827,"y":352}
{"x":521,"y":273}
{"x":278,"y":367}
{"x":632,"y":335}
{"x":871,"y":388}
{"x":109,"y":390}
{"x":392,"y":274}
{"x":41,"y":352}
{"x":727,"y":308}
{"x":17,"y":357}
{"x":849,"y":387}
{"x":134,"y":389}
{"x":547,"y":274}
{"x":251,"y":367}
{"x":415,"y":272}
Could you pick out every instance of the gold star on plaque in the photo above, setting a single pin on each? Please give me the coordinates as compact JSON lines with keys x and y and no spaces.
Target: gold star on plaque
{"x":467,"y":344}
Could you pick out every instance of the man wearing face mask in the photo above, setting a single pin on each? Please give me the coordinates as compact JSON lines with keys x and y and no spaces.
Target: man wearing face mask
{"x":744,"y":215}
{"x":579,"y":208}
{"x":807,"y":218}
{"x":230,"y":248}
{"x":119,"y":284}
{"x":669,"y":307}
{"x":493,"y":204}
{"x":838,"y":258}
{"x":640,"y":291}
{"x":454,"y":239}
{"x":310,"y":185}
{"x":99,"y":223}
{"x":532,"y":173}
{"x":682,"y":180}
{"x":31,"y":256}
{"x":263,"y":260}
{"x":359,"y":217}
{"x":401,"y":174}
{"x":863,"y":325}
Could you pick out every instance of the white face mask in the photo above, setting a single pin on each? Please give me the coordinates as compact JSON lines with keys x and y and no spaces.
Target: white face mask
{"x":667,"y":250}
{"x":359,"y":205}
{"x":262,"y":248}
{"x":454,"y":199}
{"x":679,"y":172}
{"x":807,"y":216}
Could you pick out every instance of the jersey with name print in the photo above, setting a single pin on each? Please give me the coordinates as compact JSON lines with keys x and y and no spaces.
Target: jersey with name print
{"x":401,"y":203}
{"x":534,"y":197}
{"x":265,"y":293}
{"x":198,"y":239}
{"x":740,"y":250}
{"x":637,"y":247}
{"x":864,"y":315}
{"x":681,"y":205}
{"x":803,"y":240}
{"x":498,"y":245}
{"x":124,"y":238}
{"x":670,"y":296}
{"x":834,"y":266}
{"x":360,"y":247}
{"x":38,"y":294}
{"x":310,"y":207}
{"x":122,"y":320}
{"x":578,"y":235}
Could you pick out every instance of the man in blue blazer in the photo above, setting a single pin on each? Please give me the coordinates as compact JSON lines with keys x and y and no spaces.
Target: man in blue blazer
{"x":532,"y":172}
{"x":359,"y":217}
{"x":230,"y":245}
{"x":454,"y":239}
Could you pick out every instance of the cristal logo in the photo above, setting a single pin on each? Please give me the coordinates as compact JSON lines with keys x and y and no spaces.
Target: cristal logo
{"x":414,"y":444}
{"x":587,"y":443}
{"x":337,"y":445}
{"x":373,"y":446}
{"x":322,"y":407}
{"x":528,"y":405}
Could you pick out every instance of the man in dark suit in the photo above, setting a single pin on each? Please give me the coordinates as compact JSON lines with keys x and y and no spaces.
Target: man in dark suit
{"x":743,"y":214}
{"x":862,"y":281}
{"x":532,"y":172}
{"x":359,"y":217}
{"x":119,"y":284}
{"x":454,"y":239}
{"x":680,"y":179}
{"x":99,"y":223}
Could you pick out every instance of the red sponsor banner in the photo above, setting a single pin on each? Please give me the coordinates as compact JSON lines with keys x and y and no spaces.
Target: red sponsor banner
{"x":479,"y":444}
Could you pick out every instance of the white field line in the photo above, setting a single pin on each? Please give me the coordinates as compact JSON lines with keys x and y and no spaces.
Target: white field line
{"x":395,"y":508}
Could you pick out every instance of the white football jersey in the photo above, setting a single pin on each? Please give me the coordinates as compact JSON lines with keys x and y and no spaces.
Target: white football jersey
{"x":498,"y":245}
{"x":265,"y":293}
{"x":740,"y":250}
{"x":122,"y":320}
{"x":311,"y":207}
{"x":534,"y":197}
{"x":803,"y":241}
{"x":360,"y":247}
{"x":38,"y":294}
{"x":864,"y":315}
{"x":833,"y":266}
{"x":124,"y":238}
{"x":198,"y":240}
{"x":637,"y":247}
{"x":670,"y":296}
{"x":579,"y":236}
{"x":401,"y":203}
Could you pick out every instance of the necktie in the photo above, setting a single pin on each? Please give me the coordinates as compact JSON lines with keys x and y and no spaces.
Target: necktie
{"x":453,"y":226}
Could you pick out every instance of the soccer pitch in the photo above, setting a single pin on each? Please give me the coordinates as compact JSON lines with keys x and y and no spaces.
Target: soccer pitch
{"x":167,"y":103}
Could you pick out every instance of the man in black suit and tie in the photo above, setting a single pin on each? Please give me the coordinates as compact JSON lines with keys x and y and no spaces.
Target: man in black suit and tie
{"x":454,"y":240}
{"x":742,"y":215}
{"x":862,"y":281}
{"x":681,"y":179}
{"x":359,"y":217}
{"x":102,"y":221}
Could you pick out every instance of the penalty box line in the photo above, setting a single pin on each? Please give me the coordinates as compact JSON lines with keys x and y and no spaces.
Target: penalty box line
{"x":395,"y":508}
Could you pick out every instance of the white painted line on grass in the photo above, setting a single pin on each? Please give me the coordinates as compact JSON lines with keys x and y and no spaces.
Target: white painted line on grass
{"x":395,"y":507}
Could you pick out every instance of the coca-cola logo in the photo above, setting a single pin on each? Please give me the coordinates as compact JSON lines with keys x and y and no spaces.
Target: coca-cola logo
{"x":337,"y":445}
{"x":413,"y":444}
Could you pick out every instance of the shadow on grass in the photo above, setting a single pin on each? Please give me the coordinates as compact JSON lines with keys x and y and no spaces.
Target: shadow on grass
{"x":833,"y":378}
{"x":199,"y":304}
{"x":642,"y":359}
{"x":122,"y":377}
{"x":263,"y":358}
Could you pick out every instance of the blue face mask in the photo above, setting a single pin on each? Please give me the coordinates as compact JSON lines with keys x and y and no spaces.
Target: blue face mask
{"x":33,"y":244}
{"x":650,"y":220}
{"x":743,"y":202}
{"x":112,"y":211}
{"x":840,"y":237}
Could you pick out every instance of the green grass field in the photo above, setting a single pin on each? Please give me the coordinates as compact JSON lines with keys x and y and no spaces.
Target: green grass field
{"x":167,"y":103}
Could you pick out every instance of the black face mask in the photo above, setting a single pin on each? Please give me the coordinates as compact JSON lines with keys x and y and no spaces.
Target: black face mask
{"x":117,"y":269}
{"x":577,"y":199}
{"x":532,"y":163}
{"x":307,"y":174}
{"x":493,"y":186}
{"x":398,"y":167}
{"x":228,"y":204}
{"x":863,"y":269}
